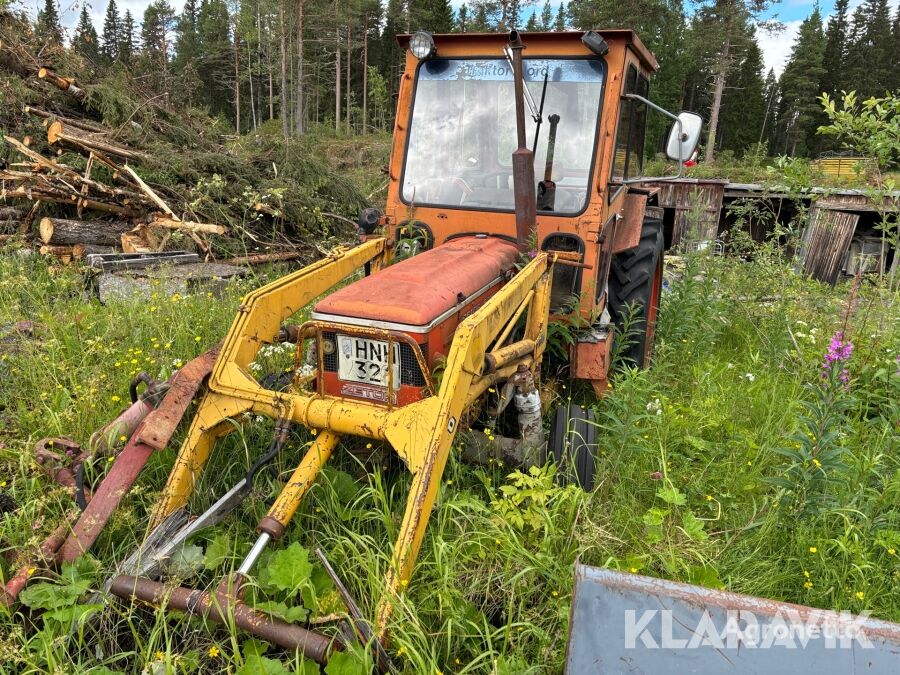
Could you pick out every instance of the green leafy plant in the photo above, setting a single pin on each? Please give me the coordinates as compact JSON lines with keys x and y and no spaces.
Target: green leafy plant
{"x":528,"y":501}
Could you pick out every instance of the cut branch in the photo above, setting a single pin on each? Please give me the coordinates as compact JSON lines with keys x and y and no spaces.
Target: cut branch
{"x":186,"y":226}
{"x":84,"y":125}
{"x":260,"y":258}
{"x":150,"y":193}
{"x":59,"y":133}
{"x":63,"y":84}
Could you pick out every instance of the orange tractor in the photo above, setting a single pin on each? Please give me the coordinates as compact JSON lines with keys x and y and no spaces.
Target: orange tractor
{"x":514,"y":201}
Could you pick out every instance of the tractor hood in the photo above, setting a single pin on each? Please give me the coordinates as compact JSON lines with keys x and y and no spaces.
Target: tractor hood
{"x":422,"y":290}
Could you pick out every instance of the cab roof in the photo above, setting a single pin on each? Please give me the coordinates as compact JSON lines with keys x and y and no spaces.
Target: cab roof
{"x":487,"y":40}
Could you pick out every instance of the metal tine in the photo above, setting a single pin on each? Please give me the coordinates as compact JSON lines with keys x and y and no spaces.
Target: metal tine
{"x":149,"y":559}
{"x":361,"y":628}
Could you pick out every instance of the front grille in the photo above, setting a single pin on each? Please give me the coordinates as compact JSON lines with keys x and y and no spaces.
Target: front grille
{"x":331,"y":360}
{"x":410,"y":372}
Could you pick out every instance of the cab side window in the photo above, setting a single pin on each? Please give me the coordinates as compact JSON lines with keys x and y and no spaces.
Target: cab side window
{"x":629,"y":157}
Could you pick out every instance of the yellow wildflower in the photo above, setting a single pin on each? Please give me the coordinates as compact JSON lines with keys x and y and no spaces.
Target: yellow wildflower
{"x":860,"y":595}
{"x":213,"y":652}
{"x":813,"y":549}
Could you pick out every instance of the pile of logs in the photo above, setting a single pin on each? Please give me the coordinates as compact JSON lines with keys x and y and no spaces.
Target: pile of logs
{"x":127,"y":214}
{"x":70,"y":208}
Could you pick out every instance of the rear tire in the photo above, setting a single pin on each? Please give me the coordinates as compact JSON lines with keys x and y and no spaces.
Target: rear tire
{"x":636,"y":278}
{"x":573,"y":439}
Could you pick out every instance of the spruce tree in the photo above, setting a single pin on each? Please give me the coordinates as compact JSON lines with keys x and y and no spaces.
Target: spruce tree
{"x":215,"y":61}
{"x":435,"y":16}
{"x":127,"y":39}
{"x":479,"y":22}
{"x":799,"y":114}
{"x":187,"y":38}
{"x":391,"y":54}
{"x":84,"y":42}
{"x":895,"y":47}
{"x":770,"y":116}
{"x":159,"y":18}
{"x":561,"y":21}
{"x":834,"y":58}
{"x":513,"y":14}
{"x":744,"y":102}
{"x":462,"y":19}
{"x":871,"y":59}
{"x":111,"y":33}
{"x":884,"y":58}
{"x":546,"y":22}
{"x":532,"y":24}
{"x":47,"y":26}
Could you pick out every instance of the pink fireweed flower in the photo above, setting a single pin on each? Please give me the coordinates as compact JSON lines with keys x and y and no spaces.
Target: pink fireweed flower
{"x":837,"y":355}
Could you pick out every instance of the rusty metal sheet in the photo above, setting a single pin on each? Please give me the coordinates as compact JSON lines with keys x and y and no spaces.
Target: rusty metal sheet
{"x":697,"y":205}
{"x":627,"y":623}
{"x":825,"y":242}
{"x":628,"y":230}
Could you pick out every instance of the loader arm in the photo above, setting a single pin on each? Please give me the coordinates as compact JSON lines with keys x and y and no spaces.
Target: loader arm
{"x":421,"y":433}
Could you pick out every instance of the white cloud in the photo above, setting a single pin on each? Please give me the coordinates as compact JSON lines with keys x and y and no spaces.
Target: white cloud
{"x":776,"y":47}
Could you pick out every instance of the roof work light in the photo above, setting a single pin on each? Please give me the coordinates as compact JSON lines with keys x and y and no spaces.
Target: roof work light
{"x":421,"y":44}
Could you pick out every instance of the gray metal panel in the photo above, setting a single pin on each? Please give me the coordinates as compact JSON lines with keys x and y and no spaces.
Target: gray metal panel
{"x":610,"y":632}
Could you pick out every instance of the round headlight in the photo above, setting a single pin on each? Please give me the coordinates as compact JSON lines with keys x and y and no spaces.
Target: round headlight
{"x":327,"y":346}
{"x":421,"y":44}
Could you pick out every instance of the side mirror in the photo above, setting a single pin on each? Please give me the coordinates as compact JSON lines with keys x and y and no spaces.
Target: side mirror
{"x":688,"y":134}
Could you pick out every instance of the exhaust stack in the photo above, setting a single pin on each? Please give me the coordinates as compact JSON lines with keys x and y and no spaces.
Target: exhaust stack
{"x":522,"y":157}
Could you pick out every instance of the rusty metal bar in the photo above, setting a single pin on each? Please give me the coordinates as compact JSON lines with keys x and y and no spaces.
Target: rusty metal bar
{"x":223,"y":608}
{"x":9,"y":593}
{"x":522,"y":157}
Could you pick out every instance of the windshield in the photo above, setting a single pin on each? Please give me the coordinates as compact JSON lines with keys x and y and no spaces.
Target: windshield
{"x":463,"y":132}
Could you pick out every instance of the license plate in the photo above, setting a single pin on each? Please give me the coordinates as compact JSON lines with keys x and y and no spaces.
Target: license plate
{"x":366,"y":361}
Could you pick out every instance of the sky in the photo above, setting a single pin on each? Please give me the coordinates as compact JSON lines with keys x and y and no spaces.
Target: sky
{"x":776,"y":47}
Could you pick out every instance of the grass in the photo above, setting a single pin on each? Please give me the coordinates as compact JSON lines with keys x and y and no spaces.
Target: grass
{"x":702,"y":477}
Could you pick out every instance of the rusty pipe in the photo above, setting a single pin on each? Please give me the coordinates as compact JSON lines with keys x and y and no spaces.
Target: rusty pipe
{"x":522,"y":158}
{"x":10,"y":592}
{"x":222,"y":608}
{"x":128,"y":421}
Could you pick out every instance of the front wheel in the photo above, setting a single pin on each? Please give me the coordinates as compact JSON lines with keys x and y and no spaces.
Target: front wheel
{"x":573,"y":441}
{"x":635,"y":278}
